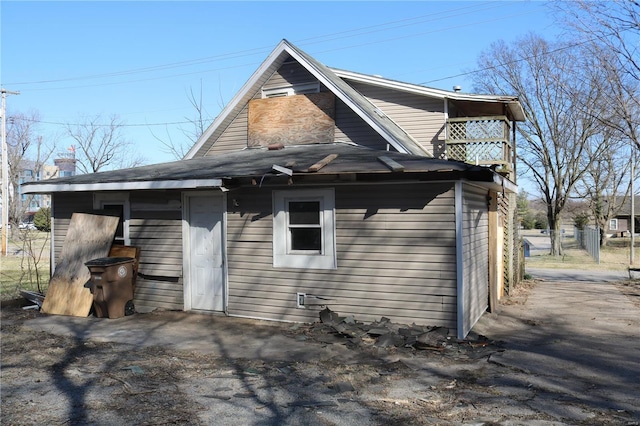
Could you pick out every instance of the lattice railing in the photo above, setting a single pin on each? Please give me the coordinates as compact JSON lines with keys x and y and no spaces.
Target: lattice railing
{"x":480,"y":140}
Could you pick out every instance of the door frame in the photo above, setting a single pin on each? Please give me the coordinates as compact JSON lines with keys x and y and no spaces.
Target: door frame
{"x":186,"y":247}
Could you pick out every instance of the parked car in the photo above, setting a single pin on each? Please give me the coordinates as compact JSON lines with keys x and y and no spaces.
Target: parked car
{"x":29,"y":226}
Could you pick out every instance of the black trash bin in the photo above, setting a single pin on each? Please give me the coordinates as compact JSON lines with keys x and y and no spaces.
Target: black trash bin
{"x":111,"y":284}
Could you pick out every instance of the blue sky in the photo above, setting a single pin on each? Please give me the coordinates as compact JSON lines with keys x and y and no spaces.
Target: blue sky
{"x":139,"y":60}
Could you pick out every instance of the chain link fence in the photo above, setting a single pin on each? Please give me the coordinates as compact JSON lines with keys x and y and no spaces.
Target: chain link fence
{"x":589,"y":239}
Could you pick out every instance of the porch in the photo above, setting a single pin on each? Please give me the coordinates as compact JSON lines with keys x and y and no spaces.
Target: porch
{"x":485,"y":141}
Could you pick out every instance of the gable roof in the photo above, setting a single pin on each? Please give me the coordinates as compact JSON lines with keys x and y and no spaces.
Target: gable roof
{"x":387,"y":128}
{"x":258,"y":163}
{"x":625,"y":208}
{"x":512,"y":102}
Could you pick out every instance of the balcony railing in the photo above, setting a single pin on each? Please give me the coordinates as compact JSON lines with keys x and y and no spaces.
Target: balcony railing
{"x":480,"y":140}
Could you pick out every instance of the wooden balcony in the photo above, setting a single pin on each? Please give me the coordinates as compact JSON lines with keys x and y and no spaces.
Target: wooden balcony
{"x":484,"y":141}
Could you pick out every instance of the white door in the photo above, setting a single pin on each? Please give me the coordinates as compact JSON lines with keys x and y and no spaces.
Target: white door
{"x":206,"y":278}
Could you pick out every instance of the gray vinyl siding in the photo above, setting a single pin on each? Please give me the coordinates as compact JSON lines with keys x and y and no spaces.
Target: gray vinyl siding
{"x":421,"y":117}
{"x":64,"y":205}
{"x":349,"y":126}
{"x":234,"y":137}
{"x":395,"y":253}
{"x":242,"y":104}
{"x":475,"y":250}
{"x":155,"y":226}
{"x":289,"y":74}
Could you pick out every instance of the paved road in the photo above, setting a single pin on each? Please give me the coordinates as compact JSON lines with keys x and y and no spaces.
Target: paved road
{"x":539,"y":244}
{"x":576,"y":338}
{"x":573,"y":275}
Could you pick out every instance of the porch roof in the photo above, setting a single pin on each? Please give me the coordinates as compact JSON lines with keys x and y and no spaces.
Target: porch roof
{"x":307,"y":160}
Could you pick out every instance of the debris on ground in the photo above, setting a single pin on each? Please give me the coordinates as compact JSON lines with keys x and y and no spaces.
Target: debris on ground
{"x":335,"y":329}
{"x":36,"y":298}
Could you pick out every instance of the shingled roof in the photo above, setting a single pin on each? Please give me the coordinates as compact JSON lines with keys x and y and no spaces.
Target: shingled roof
{"x":307,"y":160}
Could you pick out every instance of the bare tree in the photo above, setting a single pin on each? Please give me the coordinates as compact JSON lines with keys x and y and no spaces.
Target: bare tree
{"x":610,"y":33}
{"x":100,"y":145}
{"x":556,"y":142}
{"x":605,"y":183}
{"x":612,"y":30}
{"x":198,"y":125}
{"x":27,"y":155}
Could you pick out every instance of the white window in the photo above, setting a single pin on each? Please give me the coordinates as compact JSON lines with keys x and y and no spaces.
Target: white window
{"x":116,"y":202}
{"x":613,"y":224}
{"x":298,"y":89}
{"x":304,"y":229}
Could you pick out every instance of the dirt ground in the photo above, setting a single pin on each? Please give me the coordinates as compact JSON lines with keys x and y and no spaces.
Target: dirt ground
{"x":50,"y":379}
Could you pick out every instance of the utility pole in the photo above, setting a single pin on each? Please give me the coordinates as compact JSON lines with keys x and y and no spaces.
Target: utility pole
{"x":5,"y":172}
{"x":632,"y":226}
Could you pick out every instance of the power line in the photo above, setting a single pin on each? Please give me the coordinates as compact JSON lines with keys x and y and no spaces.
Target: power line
{"x":57,"y":123}
{"x":308,"y":41}
{"x":515,"y":61}
{"x":330,"y":50}
{"x":249,"y":52}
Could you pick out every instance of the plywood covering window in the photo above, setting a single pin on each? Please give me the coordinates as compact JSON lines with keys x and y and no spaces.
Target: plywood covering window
{"x":291,"y":120}
{"x":304,"y":229}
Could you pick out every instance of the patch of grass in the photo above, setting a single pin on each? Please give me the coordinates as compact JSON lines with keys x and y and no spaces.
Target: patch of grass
{"x":611,"y":258}
{"x":18,"y":270}
{"x":623,"y":242}
{"x":15,"y":275}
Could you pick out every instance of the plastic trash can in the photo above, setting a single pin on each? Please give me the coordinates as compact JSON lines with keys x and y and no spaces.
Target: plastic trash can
{"x":111,"y":284}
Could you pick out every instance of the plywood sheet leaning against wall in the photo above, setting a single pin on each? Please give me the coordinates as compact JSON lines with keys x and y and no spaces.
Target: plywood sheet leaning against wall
{"x":89,"y":237}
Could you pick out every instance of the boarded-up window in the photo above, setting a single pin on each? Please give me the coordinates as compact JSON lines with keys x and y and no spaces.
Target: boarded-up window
{"x":292,"y":120}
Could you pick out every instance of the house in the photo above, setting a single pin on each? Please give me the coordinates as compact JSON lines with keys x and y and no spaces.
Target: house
{"x":26,"y":205}
{"x":320,"y":187}
{"x":620,"y":224}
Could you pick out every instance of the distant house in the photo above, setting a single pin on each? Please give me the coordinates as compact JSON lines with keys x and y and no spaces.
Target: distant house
{"x":321,"y":187}
{"x":30,"y":171}
{"x":620,"y":224}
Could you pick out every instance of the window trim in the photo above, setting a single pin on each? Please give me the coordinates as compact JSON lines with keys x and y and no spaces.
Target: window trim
{"x":613,"y":227}
{"x":296,"y":89}
{"x":283,"y":257}
{"x":118,"y":198}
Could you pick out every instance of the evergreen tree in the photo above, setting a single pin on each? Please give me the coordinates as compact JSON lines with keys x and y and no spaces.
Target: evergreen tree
{"x":42,"y":219}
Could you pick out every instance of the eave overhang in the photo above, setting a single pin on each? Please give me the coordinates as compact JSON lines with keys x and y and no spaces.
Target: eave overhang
{"x":43,"y":187}
{"x":328,"y":164}
{"x":512,"y":102}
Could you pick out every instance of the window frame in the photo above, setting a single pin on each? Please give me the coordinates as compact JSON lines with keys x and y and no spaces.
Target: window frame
{"x":283,"y":255}
{"x":296,"y":89}
{"x":116,"y":198}
{"x":302,"y":226}
{"x":613,"y":227}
